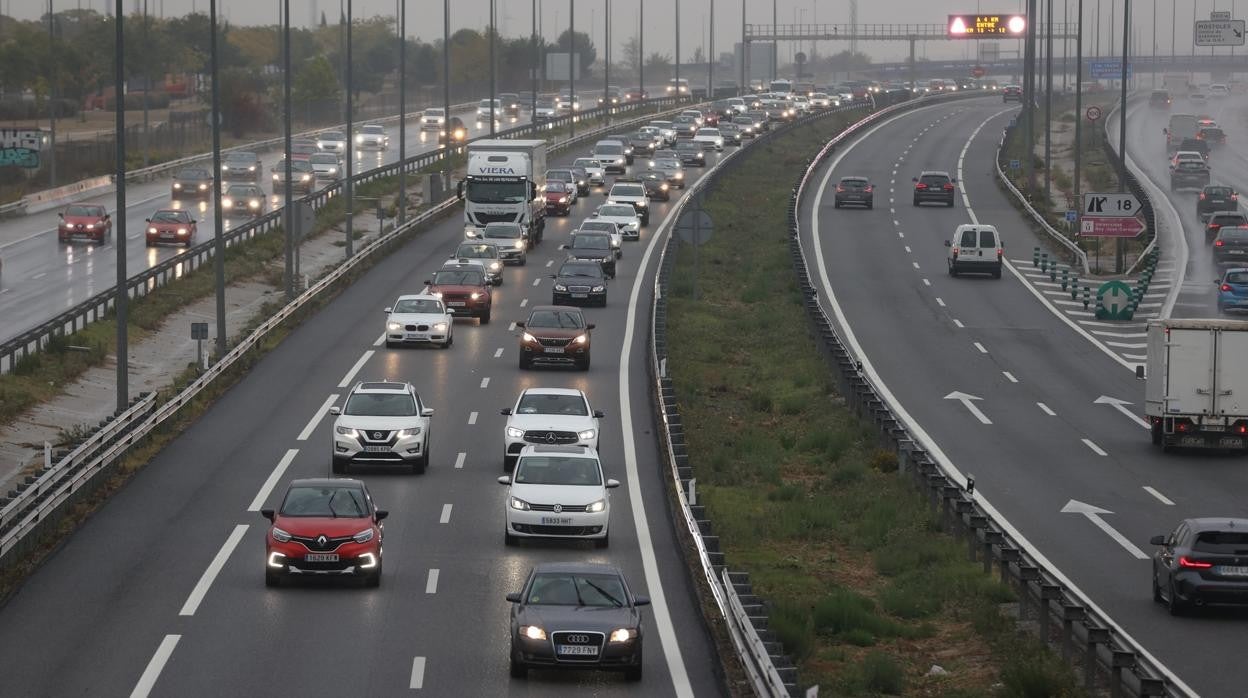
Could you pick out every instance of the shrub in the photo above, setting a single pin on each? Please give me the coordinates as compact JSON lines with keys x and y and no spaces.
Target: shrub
{"x":883,"y":460}
{"x":882,"y":674}
{"x":791,"y":624}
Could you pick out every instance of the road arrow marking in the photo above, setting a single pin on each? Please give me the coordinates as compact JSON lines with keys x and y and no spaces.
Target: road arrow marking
{"x":967,"y":401}
{"x":1121,"y":406}
{"x":1094,"y":514}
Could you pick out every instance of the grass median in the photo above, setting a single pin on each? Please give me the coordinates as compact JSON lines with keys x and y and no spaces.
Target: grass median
{"x":864,"y":589}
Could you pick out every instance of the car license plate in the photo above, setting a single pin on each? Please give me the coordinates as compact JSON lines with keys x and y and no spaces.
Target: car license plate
{"x":1234,"y":442}
{"x":1231,"y":571}
{"x":456,"y":304}
{"x":554,"y":350}
{"x":556,"y":520}
{"x":1214,"y":427}
{"x":579,"y":650}
{"x":1234,"y":251}
{"x":580,"y":295}
{"x":414,"y":336}
{"x":376,"y":449}
{"x":321,"y":557}
{"x":166,"y":235}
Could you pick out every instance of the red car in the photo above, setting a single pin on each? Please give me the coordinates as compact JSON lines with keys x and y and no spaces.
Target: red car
{"x":464,"y":290}
{"x":324,"y":527}
{"x":303,"y":150}
{"x":171,"y":225}
{"x":558,"y":197}
{"x":84,"y":221}
{"x":710,"y":118}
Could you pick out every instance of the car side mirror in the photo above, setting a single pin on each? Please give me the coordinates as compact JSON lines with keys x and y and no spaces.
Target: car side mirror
{"x":514,"y":597}
{"x":61,"y":216}
{"x":590,"y":326}
{"x":335,"y":410}
{"x":428,"y":282}
{"x":553,"y":276}
{"x":1165,"y":130}
{"x":520,"y":324}
{"x":612,"y":483}
{"x":641,"y":600}
{"x":387,"y":310}
{"x":948,"y":243}
{"x":426,"y":411}
{"x":506,"y":411}
{"x":504,"y":479}
{"x":914,"y":179}
{"x":267,"y":513}
{"x":1157,"y":540}
{"x":380,"y":514}
{"x":193,"y":221}
{"x":147,"y":220}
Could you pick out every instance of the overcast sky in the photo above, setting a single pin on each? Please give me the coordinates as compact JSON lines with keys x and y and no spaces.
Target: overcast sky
{"x":514,"y":19}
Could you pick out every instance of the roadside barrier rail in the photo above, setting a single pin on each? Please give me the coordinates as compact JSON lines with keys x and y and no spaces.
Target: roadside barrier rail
{"x":1036,"y":216}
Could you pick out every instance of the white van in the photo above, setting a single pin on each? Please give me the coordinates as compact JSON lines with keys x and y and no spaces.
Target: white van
{"x":976,"y":249}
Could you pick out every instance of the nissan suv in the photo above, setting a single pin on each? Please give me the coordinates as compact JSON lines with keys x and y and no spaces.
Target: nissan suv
{"x":934,"y":186}
{"x":549,"y":416}
{"x":555,"y":334}
{"x":382,"y":422}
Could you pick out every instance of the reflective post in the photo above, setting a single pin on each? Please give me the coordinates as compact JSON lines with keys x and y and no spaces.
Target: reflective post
{"x":122,"y":300}
{"x":218,"y":255}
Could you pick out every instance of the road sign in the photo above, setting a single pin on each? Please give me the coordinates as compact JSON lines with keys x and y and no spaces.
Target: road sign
{"x":986,"y":26}
{"x":1220,"y":33}
{"x":694,"y":226}
{"x":1107,"y":68}
{"x":1071,"y":216}
{"x":1222,"y":16}
{"x":1122,"y":227}
{"x":1112,"y":205}
{"x":1014,"y":164}
{"x":1093,"y":113}
{"x":1114,"y":296}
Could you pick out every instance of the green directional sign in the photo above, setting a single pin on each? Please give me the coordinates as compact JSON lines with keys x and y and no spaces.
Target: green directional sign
{"x":1113,"y":299}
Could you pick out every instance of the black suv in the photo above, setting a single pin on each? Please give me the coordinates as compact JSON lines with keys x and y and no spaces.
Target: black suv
{"x":1189,"y":174}
{"x":1215,"y":198}
{"x":579,"y":282}
{"x":690,"y":153}
{"x":934,"y":186}
{"x":1160,"y":99}
{"x":593,"y":247}
{"x":1223,"y":219}
{"x":1231,"y":245}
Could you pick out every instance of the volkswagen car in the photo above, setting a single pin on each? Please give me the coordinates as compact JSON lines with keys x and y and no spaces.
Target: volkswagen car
{"x":557,"y":492}
{"x":484,"y":253}
{"x":382,"y":423}
{"x":419,"y":319}
{"x":549,"y":416}
{"x":324,"y":527}
{"x":555,"y":335}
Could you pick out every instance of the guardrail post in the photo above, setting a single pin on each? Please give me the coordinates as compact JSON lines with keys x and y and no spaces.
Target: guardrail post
{"x":1048,"y":592}
{"x":1122,"y":659}
{"x":1096,"y":636}
{"x":1008,"y":555}
{"x":991,"y":538}
{"x":977,"y":523}
{"x":1070,"y":614}
{"x":1026,"y":575}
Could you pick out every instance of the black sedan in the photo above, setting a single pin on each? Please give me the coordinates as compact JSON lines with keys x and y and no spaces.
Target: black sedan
{"x":576,"y":616}
{"x":192,"y":182}
{"x":855,"y":191}
{"x":593,"y":247}
{"x":642,"y":144}
{"x":1202,"y":562}
{"x":657,"y":188}
{"x":579,"y":283}
{"x":690,"y":153}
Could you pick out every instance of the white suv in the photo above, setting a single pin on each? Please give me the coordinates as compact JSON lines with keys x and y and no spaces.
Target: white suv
{"x":419,"y":319}
{"x":632,"y":193}
{"x":976,"y":249}
{"x":549,"y":416}
{"x":557,"y":492}
{"x":433,"y":119}
{"x":383,"y":422}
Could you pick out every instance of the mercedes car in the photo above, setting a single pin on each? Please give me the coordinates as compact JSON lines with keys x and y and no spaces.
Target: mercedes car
{"x":549,"y":416}
{"x":579,"y":282}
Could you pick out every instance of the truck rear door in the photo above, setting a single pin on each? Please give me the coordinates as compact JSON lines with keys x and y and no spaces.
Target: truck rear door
{"x":1190,"y":371}
{"x":1231,"y":372}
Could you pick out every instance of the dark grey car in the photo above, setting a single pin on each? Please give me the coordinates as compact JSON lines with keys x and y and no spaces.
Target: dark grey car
{"x":1202,"y":562}
{"x":241,"y":165}
{"x":576,"y":616}
{"x":579,"y":283}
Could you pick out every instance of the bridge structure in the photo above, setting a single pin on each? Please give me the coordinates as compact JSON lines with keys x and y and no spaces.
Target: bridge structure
{"x":1219,"y":64}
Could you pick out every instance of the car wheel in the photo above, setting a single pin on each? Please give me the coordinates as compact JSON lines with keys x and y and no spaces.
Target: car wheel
{"x":949,"y":203}
{"x":996,"y":273}
{"x":916,"y":201}
{"x":584,"y":365}
{"x":524,"y":259}
{"x":1176,"y":607}
{"x":450,"y":340}
{"x":633,"y":673}
{"x":272,"y":580}
{"x":485,"y":319}
{"x":373,"y":580}
{"x":518,"y":669}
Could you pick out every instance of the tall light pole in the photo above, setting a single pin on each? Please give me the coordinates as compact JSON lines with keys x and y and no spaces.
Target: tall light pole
{"x":218,"y":228}
{"x":348,"y":184}
{"x":677,"y":50}
{"x":1122,"y":125}
{"x":606,"y":63}
{"x":572,"y":65}
{"x":446,"y":75}
{"x":710,"y":57}
{"x":493,"y":34}
{"x":775,"y":42}
{"x":745,"y":53}
{"x":641,"y":48}
{"x":1048,"y":104}
{"x":1078,"y":107}
{"x":289,"y":209}
{"x":122,"y":299}
{"x":533,"y":76}
{"x":52,"y":93}
{"x":402,"y":111}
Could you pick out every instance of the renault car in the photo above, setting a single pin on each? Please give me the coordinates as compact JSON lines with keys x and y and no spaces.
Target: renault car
{"x":324,"y":527}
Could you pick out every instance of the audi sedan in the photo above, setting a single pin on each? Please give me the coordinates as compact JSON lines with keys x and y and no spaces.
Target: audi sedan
{"x":572,"y":615}
{"x":324,"y":528}
{"x":1201,"y":562}
{"x":192,"y":182}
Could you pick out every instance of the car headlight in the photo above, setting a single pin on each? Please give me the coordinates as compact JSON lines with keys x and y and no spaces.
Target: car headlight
{"x":346,"y":431}
{"x":588,"y":435}
{"x":599,"y":289}
{"x":680,"y":175}
{"x":643,"y":204}
{"x":255,"y":203}
{"x":471,"y":233}
{"x":515,"y":433}
{"x":182,"y":231}
{"x":304,"y":178}
{"x":275,"y":559}
{"x":359,"y":139}
{"x":276,"y":177}
{"x":251,"y":168}
{"x":623,"y":634}
{"x":563,"y":199}
{"x":519,"y":504}
{"x":227,"y":203}
{"x":177,"y":185}
{"x":663,"y":186}
{"x":333,"y":170}
{"x":582,"y":338}
{"x":405,"y":433}
{"x":439,"y":326}
{"x":528,"y":338}
{"x":495,"y":266}
{"x":598,"y":506}
{"x":652,"y":163}
{"x":151,"y":230}
{"x":203,"y":187}
{"x":532,"y":632}
{"x":279,"y":535}
{"x":475,"y":296}
{"x":519,"y":244}
{"x":393,"y":326}
{"x":560,"y":287}
{"x":363,"y":536}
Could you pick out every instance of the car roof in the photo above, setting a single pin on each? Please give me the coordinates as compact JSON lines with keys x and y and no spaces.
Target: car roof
{"x":575,"y":451}
{"x":344,"y":482}
{"x":1217,"y":523}
{"x":577,"y":568}
{"x":418,"y":296}
{"x":553,"y":391}
{"x":561,"y":308}
{"x":381,"y":387}
{"x":925,"y":173}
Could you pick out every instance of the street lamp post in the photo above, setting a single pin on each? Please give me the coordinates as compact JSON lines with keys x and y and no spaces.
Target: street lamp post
{"x":641,"y":49}
{"x":533,"y":104}
{"x":572,"y":63}
{"x":710,"y":57}
{"x":1048,"y":104}
{"x":218,"y":229}
{"x":678,"y":50}
{"x":402,"y":217}
{"x":348,"y":184}
{"x":51,"y":94}
{"x":1120,"y":247}
{"x":122,"y":296}
{"x":289,"y":210}
{"x":1078,"y":106}
{"x":493,"y":34}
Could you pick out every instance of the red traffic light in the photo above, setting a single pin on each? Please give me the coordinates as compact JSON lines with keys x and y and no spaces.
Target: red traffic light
{"x":986,"y":26}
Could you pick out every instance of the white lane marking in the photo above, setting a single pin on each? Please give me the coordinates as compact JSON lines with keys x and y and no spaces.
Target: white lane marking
{"x":418,"y":673}
{"x":272,"y":480}
{"x":907,"y":249}
{"x":154,"y":666}
{"x":485,"y":382}
{"x":459,"y":459}
{"x":316,"y":418}
{"x":446,"y":514}
{"x":1121,"y":406}
{"x":1095,"y":449}
{"x":981,"y":348}
{"x":133,"y":237}
{"x":511,"y":327}
{"x":896,"y":222}
{"x":925,"y":439}
{"x":1160,"y":497}
{"x":431,"y":585}
{"x":524,"y":302}
{"x":958,"y":323}
{"x":214,"y":568}
{"x":550,"y":262}
{"x":1045,"y":408}
{"x":940,"y":301}
{"x":1009,"y":376}
{"x":916,"y":265}
{"x":41,"y":274}
{"x":968,"y":401}
{"x":472,"y":418}
{"x":649,"y":563}
{"x":1093,"y":514}
{"x":926,"y":282}
{"x":346,"y":380}
{"x":380,"y":340}
{"x":537,"y":281}
{"x":901,"y":234}
{"x":498,"y":352}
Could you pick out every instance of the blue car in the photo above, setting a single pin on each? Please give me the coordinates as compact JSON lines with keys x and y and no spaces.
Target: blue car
{"x":1233,"y":290}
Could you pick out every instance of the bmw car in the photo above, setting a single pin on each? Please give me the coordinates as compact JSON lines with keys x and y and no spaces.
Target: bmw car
{"x":1202,"y":562}
{"x":419,"y":319}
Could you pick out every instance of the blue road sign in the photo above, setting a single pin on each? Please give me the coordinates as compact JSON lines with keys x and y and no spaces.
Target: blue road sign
{"x":1071,"y":216}
{"x":1108,"y":69}
{"x":1014,"y":164}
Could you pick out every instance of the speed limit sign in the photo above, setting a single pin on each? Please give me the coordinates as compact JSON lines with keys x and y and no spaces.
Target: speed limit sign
{"x":1093,"y":113}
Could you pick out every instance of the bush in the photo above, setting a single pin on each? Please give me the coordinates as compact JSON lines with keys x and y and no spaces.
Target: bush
{"x":1036,"y":673}
{"x":791,"y":624}
{"x":883,"y":460}
{"x":882,"y":674}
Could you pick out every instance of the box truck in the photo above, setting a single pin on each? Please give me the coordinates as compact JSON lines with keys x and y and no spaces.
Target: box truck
{"x":505,"y":182}
{"x":1196,"y":383}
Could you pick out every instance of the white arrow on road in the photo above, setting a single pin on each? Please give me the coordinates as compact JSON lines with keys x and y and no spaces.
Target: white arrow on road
{"x":1121,"y":406}
{"x":1094,"y":514}
{"x":967,"y":401}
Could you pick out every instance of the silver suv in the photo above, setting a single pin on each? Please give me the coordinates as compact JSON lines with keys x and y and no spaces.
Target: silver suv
{"x":383,"y":422}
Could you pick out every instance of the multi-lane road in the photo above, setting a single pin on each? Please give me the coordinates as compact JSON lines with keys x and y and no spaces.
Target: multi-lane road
{"x":162,"y":589}
{"x":1037,"y":441}
{"x":42,"y":278}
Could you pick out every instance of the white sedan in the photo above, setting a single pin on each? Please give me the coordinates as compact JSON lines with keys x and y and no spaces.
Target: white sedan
{"x":558,"y":492}
{"x":593,"y":168}
{"x":709,"y":138}
{"x":419,"y":319}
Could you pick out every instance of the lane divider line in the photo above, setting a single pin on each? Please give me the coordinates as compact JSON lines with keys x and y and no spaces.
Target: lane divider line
{"x":1095,"y":449}
{"x":431,"y":585}
{"x":537,"y":281}
{"x":380,"y":340}
{"x":316,"y":418}
{"x":271,"y":482}
{"x":446,"y":514}
{"x":1160,"y":497}
{"x":1009,"y":376}
{"x":346,"y":380}
{"x":459,"y":460}
{"x":498,"y":352}
{"x":418,"y":674}
{"x":524,"y":302}
{"x":1045,"y":409}
{"x":981,"y":348}
{"x":472,"y":418}
{"x":485,"y":382}
{"x":214,"y":568}
{"x":940,"y":301}
{"x":958,"y":323}
{"x":154,"y":666}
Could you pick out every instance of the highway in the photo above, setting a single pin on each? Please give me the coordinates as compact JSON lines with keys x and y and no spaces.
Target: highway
{"x":161,"y":590}
{"x":1027,"y":425}
{"x":42,"y":278}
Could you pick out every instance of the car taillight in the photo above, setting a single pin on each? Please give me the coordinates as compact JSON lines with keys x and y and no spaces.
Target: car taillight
{"x":1202,"y":196}
{"x":955,"y":251}
{"x":1218,"y":243}
{"x":920,"y":185}
{"x":1234,"y":197}
{"x":1226,"y":288}
{"x":869,"y":189}
{"x":1185,"y":561}
{"x":1000,"y":252}
{"x":948,"y":187}
{"x":839,"y":188}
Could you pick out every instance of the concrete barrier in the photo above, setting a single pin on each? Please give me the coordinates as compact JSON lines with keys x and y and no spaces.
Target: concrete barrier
{"x":53,"y":198}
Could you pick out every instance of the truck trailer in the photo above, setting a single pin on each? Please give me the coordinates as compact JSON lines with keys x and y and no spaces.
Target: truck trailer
{"x":1196,"y":384}
{"x":505,"y":182}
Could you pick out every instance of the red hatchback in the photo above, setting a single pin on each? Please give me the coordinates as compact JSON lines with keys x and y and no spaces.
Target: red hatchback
{"x":558,"y":197}
{"x":326,"y":528}
{"x":171,"y":225}
{"x":86,"y":222}
{"x":464,"y":290}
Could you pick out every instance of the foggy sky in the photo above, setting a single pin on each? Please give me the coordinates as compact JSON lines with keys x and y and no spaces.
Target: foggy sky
{"x":514,"y":19}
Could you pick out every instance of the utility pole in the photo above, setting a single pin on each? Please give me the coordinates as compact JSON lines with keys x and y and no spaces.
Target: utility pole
{"x":1065,"y":41}
{"x":572,"y":64}
{"x":218,"y":229}
{"x":122,"y":298}
{"x":493,"y":35}
{"x":286,"y":123}
{"x":775,"y":41}
{"x":446,"y":78}
{"x":147,"y":84}
{"x":536,"y":60}
{"x":1048,"y":106}
{"x":51,"y":93}
{"x":606,"y":64}
{"x":1029,"y":98}
{"x":745,"y":54}
{"x":710,"y":57}
{"x":1120,"y":245}
{"x":349,"y":184}
{"x":402,"y":111}
{"x":677,"y":50}
{"x":641,"y":48}
{"x":1079,"y":108}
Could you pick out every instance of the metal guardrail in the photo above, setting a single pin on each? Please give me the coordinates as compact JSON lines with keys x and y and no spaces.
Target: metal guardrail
{"x":92,"y":309}
{"x":1151,"y":219}
{"x":1036,"y":215}
{"x":1044,"y":593}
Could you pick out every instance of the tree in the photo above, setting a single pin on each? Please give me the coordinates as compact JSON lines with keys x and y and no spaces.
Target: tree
{"x":315,"y":88}
{"x":581,"y":44}
{"x":323,"y":23}
{"x":631,"y":51}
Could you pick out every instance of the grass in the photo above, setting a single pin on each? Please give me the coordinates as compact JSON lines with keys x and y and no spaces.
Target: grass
{"x":864,"y":588}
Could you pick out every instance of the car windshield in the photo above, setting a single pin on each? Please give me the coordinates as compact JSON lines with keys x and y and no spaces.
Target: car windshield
{"x":245,"y":192}
{"x":86,"y":211}
{"x":193,"y":174}
{"x":333,"y":502}
{"x":333,"y":136}
{"x":557,"y":470}
{"x":591,"y":241}
{"x":240,"y":157}
{"x":567,"y":589}
{"x":598,"y":227}
{"x":686,"y":145}
{"x":1218,"y":191}
{"x":852,"y":183}
{"x":587,"y":163}
{"x":589,"y":271}
{"x":559,"y":175}
{"x":458,"y":277}
{"x":503,"y":231}
{"x":434,"y":112}
{"x":627,"y":190}
{"x":324,"y":159}
{"x":1236,"y":277}
{"x":539,"y":403}
{"x":428,"y":306}
{"x":934,"y":180}
{"x":375,"y":130}
{"x":303,"y":148}
{"x":621,"y":211}
{"x":1238,"y":235}
{"x":492,"y":192}
{"x":381,"y":405}
{"x":477,"y":251}
{"x":556,"y":186}
{"x":170,"y":217}
{"x":667,"y":164}
{"x":609,"y":149}
{"x":708,"y":132}
{"x":556,"y":319}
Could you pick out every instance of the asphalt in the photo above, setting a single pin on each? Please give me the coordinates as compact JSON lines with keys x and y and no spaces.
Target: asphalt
{"x":927,"y":335}
{"x":96,"y":615}
{"x":42,"y":278}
